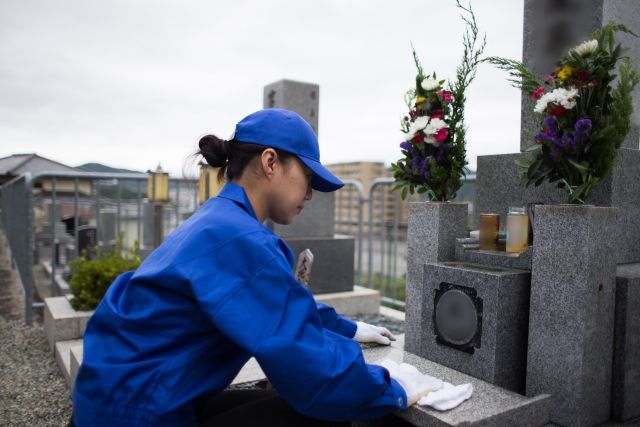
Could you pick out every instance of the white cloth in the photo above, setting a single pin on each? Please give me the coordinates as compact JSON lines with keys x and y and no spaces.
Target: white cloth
{"x":430,"y":391}
{"x":448,"y":397}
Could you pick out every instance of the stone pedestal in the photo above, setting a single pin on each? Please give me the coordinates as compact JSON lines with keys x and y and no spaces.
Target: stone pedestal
{"x":571,"y":311}
{"x":431,"y":237}
{"x":625,"y":404}
{"x":475,"y":320}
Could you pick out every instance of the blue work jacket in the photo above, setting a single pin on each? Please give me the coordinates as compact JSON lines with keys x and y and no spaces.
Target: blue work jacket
{"x":219,"y":290}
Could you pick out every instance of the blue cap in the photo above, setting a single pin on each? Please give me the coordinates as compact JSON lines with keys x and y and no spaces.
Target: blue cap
{"x":288,"y":131}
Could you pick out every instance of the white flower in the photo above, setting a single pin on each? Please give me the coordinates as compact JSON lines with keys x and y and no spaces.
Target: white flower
{"x":585,"y":48}
{"x":560,"y":96}
{"x":428,"y":126}
{"x":434,"y":126}
{"x":430,"y":84}
{"x":416,"y":126}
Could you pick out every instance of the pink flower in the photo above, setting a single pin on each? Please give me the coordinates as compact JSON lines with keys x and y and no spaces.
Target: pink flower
{"x":441,"y":135}
{"x":548,"y":79}
{"x":446,"y":96}
{"x":537,"y":93}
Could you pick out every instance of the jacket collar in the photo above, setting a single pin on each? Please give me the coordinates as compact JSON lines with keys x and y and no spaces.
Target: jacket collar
{"x":236,"y":193}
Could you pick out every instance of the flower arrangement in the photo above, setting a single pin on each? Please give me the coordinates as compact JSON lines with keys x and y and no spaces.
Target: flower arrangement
{"x":583,"y":119}
{"x":434,"y":149}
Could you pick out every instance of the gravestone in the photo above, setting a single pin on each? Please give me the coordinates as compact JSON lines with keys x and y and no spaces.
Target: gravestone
{"x":313,"y":229}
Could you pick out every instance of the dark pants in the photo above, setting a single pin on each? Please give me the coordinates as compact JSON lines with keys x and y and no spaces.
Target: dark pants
{"x":254,"y":408}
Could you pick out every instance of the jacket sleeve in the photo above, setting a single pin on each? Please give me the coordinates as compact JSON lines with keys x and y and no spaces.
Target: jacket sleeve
{"x":320,"y":373}
{"x":335,"y":322}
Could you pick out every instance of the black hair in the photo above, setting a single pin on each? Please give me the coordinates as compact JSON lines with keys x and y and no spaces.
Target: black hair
{"x":232,"y":157}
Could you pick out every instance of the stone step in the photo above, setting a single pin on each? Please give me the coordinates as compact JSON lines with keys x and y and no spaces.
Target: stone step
{"x":360,"y":300}
{"x":63,"y":350}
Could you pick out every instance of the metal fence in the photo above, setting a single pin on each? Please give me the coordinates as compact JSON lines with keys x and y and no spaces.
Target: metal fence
{"x":376,"y":217}
{"x":29,"y":201}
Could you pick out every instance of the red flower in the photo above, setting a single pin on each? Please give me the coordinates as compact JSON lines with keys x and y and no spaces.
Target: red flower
{"x":441,"y":135}
{"x":537,"y":93}
{"x":558,"y":111}
{"x":413,"y":113}
{"x":419,"y":137}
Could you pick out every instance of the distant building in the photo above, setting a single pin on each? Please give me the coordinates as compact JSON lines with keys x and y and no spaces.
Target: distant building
{"x":346,"y":199}
{"x":18,"y":164}
{"x":346,"y":216}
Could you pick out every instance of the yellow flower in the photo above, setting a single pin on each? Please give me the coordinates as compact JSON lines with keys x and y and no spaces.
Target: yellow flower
{"x":565,"y":72}
{"x":420,"y":100}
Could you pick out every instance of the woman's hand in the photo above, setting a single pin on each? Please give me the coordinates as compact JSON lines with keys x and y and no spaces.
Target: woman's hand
{"x":366,"y":333}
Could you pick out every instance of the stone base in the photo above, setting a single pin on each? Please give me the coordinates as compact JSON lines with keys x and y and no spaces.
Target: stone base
{"x":358,"y":301}
{"x":62,"y":322}
{"x":625,"y":394}
{"x":332,"y":269}
{"x":489,"y":405}
{"x":498,"y":186}
{"x":475,"y":320}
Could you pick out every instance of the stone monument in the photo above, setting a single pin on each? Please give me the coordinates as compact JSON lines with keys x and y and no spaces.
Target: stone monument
{"x":313,"y":229}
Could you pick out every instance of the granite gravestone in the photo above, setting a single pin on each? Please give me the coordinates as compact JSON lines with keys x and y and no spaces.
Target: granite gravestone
{"x":313,"y":229}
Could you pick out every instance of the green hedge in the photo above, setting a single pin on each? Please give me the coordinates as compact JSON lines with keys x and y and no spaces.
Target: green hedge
{"x":92,"y":277}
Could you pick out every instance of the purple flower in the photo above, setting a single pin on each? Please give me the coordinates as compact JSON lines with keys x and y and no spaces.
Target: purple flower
{"x":583,"y":127}
{"x":551,"y":125}
{"x":567,"y":141}
{"x":405,"y":145}
{"x":442,"y":150}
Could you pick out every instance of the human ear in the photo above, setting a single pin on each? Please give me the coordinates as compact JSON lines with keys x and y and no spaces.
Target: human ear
{"x":268,"y":161}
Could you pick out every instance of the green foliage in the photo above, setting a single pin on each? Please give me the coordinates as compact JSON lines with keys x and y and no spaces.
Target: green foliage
{"x":437,"y":168}
{"x":92,"y":277}
{"x":560,"y":154}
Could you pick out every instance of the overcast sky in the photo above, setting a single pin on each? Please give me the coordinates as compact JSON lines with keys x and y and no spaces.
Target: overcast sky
{"x":133,"y":83}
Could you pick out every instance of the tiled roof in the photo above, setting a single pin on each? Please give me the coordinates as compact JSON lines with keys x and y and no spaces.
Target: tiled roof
{"x":18,"y":164}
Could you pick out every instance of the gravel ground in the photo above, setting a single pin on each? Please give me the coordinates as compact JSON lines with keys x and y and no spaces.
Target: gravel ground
{"x":32,"y":389}
{"x":33,"y":392}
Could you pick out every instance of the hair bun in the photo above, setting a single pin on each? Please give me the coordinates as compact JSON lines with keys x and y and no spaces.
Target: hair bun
{"x":215,"y":151}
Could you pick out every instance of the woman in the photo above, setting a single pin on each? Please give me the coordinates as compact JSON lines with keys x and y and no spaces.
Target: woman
{"x":167,"y":339}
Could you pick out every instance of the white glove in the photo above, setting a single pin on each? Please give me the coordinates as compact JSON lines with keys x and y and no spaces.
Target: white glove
{"x":370,"y":333}
{"x":415,"y":384}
